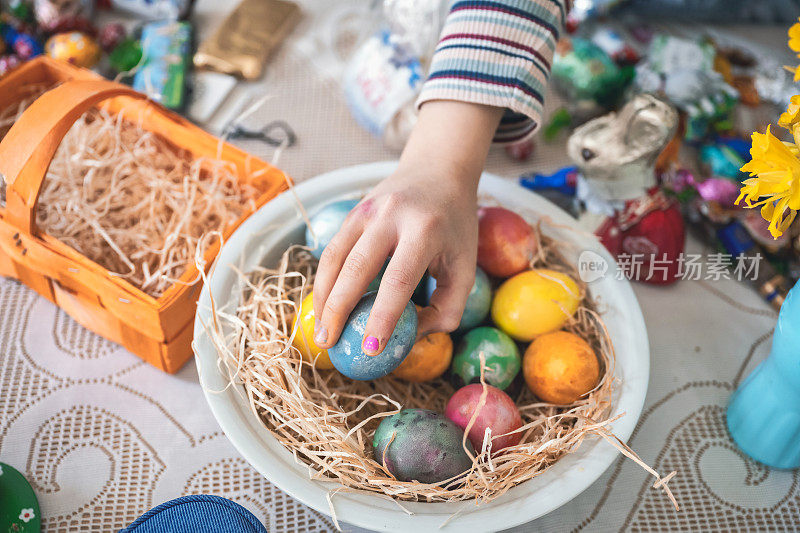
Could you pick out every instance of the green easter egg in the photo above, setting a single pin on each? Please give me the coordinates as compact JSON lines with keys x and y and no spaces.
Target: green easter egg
{"x":499,"y":350}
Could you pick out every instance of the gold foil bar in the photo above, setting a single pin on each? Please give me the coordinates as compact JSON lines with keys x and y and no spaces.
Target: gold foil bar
{"x":245,"y":40}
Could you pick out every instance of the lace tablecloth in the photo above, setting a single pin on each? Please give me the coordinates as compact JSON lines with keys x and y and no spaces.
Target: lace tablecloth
{"x":102,"y":437}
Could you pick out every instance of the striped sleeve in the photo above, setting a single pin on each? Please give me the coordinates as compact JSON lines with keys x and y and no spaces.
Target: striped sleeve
{"x":498,"y":53}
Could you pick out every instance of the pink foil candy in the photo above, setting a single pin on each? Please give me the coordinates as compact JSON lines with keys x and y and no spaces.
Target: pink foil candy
{"x":8,"y":62}
{"x":111,"y":35}
{"x":720,"y":190}
{"x":679,"y":180}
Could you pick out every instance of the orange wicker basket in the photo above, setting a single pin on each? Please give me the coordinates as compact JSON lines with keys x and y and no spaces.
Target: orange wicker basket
{"x":159,"y":330}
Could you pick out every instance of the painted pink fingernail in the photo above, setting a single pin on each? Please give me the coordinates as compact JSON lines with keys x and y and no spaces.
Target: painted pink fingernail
{"x":371,"y":345}
{"x":320,"y":334}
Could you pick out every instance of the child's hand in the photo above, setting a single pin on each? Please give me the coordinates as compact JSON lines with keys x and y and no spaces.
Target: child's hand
{"x":425,"y":217}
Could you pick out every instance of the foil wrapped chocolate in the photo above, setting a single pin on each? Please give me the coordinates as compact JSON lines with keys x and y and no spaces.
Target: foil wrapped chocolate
{"x":583,"y":10}
{"x":774,"y":83}
{"x":616,"y":153}
{"x":24,"y":45}
{"x":721,"y":190}
{"x":245,"y":40}
{"x":73,"y":47}
{"x":668,"y":53}
{"x":63,"y":15}
{"x":683,"y":71}
{"x":111,"y":35}
{"x":722,"y":160}
{"x":588,"y":77}
{"x":8,"y":63}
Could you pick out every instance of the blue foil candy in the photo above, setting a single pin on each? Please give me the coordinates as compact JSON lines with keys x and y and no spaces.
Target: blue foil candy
{"x":722,"y":160}
{"x":563,"y":181}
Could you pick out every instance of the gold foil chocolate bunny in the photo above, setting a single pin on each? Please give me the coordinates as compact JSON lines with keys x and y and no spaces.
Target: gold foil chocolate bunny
{"x":616,"y":153}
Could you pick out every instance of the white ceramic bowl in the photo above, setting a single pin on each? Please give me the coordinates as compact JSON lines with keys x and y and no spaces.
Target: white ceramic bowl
{"x":262,"y":239}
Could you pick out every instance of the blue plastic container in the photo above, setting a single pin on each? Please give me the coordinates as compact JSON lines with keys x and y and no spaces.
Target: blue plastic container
{"x":764,"y":412}
{"x":194,"y":514}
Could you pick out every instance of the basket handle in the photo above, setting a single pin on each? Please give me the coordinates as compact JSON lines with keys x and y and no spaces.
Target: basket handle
{"x":31,"y":143}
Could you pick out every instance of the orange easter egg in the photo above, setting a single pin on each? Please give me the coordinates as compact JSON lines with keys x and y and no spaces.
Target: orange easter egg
{"x":304,"y":338}
{"x":429,"y":358}
{"x":560,"y":367}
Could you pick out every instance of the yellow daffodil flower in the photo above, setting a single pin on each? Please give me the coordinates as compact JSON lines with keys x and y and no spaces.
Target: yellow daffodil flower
{"x":794,"y":44}
{"x":792,"y":114}
{"x":794,"y":37}
{"x":774,"y":165}
{"x":775,"y":185}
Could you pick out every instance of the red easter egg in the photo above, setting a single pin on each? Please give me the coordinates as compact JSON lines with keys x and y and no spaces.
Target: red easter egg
{"x":498,"y":413}
{"x":506,"y":242}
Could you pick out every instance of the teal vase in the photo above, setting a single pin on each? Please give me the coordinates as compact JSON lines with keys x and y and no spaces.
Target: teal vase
{"x":764,"y":412}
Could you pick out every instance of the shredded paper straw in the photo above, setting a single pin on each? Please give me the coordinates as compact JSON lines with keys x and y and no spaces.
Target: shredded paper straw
{"x":130,"y":200}
{"x":327,"y":420}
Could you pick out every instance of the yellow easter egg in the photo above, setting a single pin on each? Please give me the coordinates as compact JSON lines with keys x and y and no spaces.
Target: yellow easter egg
{"x":304,"y":338}
{"x":535,"y":302}
{"x":73,"y":47}
{"x":560,"y":367}
{"x":428,"y":359}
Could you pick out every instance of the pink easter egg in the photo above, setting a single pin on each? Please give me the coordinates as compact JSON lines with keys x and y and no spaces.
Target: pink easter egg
{"x":497,"y":413}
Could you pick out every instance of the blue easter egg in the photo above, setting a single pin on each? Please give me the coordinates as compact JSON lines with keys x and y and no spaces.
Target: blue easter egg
{"x":479,"y":300}
{"x":326,"y":223}
{"x":375,"y":284}
{"x":347,"y":356}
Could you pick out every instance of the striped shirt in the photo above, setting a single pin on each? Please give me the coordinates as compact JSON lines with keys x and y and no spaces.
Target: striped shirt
{"x":497,"y":53}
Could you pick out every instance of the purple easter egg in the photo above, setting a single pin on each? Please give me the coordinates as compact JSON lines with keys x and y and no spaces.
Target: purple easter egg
{"x":421,"y":445}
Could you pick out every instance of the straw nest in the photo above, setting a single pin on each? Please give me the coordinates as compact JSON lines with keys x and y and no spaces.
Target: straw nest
{"x":327,"y":420}
{"x":130,"y":200}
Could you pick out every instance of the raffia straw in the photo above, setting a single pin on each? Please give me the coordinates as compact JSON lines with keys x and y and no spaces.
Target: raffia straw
{"x":131,"y":201}
{"x":327,"y":420}
{"x":10,"y":112}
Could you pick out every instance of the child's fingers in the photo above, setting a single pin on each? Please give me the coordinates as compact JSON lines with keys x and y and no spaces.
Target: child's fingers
{"x":330,"y":264}
{"x":363,"y":263}
{"x":447,"y":301}
{"x":405,"y":269}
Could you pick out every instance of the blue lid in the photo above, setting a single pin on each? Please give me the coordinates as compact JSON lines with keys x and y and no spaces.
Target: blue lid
{"x":197,"y":513}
